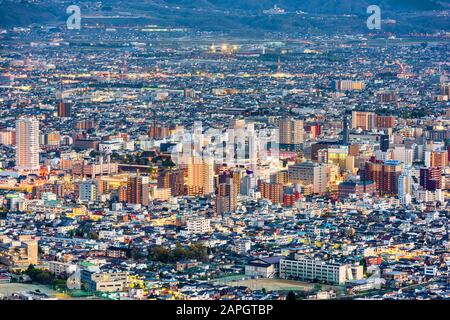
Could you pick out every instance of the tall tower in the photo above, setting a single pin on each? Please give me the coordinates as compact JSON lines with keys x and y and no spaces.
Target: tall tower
{"x":345,"y":133}
{"x":134,"y":189}
{"x":27,"y":144}
{"x":291,"y":133}
{"x":226,"y":200}
{"x":200,"y":176}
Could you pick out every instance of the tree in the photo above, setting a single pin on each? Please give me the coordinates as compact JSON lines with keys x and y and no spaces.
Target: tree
{"x":364,"y":264}
{"x":291,"y":296}
{"x":317,"y":287}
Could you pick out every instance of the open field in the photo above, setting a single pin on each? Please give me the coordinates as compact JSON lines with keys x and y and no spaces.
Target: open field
{"x":6,"y":289}
{"x":277,"y":284}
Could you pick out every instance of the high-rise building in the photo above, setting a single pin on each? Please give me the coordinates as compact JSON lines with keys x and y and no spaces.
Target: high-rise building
{"x":363,"y":120}
{"x":385,"y":122}
{"x":445,"y":89}
{"x":272,"y":191}
{"x":138,"y":189}
{"x":345,"y":132}
{"x":156,"y":131}
{"x":163,"y":179}
{"x":84,"y":124}
{"x":405,"y":190}
{"x":385,"y":175}
{"x":226,"y":200}
{"x":309,"y":173}
{"x":348,"y":85}
{"x":314,"y":129}
{"x":27,"y":144}
{"x":439,"y":159}
{"x":387,"y":96}
{"x":403,"y":154}
{"x":64,"y":109}
{"x":430,"y":178}
{"x":177,"y":182}
{"x":248,"y":183}
{"x":200,"y":176}
{"x":52,"y":139}
{"x":291,"y":134}
{"x":384,"y":142}
{"x":8,"y":137}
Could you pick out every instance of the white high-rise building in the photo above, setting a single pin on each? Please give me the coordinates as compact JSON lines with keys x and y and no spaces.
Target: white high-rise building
{"x":27,"y":144}
{"x":405,"y":187}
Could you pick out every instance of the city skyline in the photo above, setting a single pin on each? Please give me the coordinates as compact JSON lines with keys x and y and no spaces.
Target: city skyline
{"x":241,"y":151}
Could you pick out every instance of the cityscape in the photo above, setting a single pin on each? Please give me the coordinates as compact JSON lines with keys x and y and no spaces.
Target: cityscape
{"x":149,"y":151}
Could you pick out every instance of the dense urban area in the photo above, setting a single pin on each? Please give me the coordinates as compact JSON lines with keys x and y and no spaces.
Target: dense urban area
{"x":165,"y":162}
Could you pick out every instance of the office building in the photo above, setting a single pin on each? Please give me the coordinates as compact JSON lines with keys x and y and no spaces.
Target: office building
{"x":309,"y":173}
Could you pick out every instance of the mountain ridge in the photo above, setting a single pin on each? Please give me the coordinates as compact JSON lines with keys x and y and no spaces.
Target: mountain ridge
{"x":225,"y":14}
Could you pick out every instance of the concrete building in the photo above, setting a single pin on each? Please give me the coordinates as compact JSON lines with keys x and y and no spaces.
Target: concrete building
{"x":309,"y":173}
{"x":61,"y":268}
{"x":263,"y":267}
{"x":308,"y":269}
{"x":104,"y":281}
{"x":226,"y":200}
{"x":385,"y":175}
{"x":18,"y":253}
{"x":291,"y":134}
{"x":198,"y":225}
{"x":27,"y":144}
{"x":88,"y":191}
{"x":363,"y":120}
{"x":272,"y":191}
{"x":200,"y":176}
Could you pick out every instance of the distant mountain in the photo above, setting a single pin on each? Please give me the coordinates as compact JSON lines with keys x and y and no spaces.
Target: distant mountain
{"x":22,"y":13}
{"x":315,"y":6}
{"x":232,"y":15}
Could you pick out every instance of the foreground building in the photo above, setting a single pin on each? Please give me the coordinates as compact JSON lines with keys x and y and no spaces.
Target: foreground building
{"x":308,"y":269}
